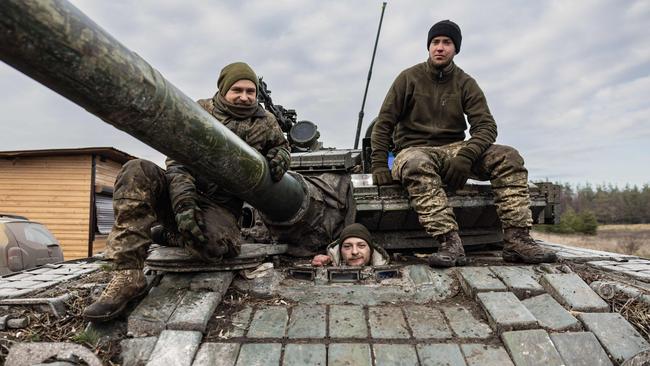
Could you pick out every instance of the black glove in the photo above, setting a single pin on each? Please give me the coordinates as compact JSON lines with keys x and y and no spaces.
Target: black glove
{"x":189,"y":221}
{"x":458,"y":172}
{"x":279,"y":161}
{"x":381,"y":176}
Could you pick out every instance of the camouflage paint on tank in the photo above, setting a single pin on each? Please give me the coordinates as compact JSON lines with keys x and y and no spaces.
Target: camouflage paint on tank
{"x":56,"y":44}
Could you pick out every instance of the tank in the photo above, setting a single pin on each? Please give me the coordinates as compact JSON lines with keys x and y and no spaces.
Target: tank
{"x":266,"y":307}
{"x":386,"y":210}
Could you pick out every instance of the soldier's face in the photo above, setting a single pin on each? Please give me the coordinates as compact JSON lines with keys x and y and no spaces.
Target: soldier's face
{"x":441,"y":51}
{"x":242,"y":92}
{"x":355,"y":252}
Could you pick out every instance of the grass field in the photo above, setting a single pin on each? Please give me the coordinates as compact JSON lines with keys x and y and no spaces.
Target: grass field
{"x":626,"y":239}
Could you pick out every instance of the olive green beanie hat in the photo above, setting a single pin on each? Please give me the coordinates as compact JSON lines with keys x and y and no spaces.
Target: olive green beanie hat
{"x":232,"y":73}
{"x":356,"y":230}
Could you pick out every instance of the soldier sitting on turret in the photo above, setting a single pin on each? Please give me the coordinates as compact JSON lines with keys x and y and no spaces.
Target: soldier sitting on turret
{"x":196,"y":213}
{"x":424,"y":115}
{"x":353,"y":248}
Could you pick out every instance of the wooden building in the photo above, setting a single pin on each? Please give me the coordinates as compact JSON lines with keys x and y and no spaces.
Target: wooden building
{"x":67,"y":190}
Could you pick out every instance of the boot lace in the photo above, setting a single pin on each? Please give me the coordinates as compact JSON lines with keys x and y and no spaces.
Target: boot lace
{"x":525,"y":238}
{"x":528,"y":245}
{"x":120,"y":280}
{"x":450,"y":245}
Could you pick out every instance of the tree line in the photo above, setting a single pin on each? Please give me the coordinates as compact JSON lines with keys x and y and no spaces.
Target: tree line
{"x":608,"y":204}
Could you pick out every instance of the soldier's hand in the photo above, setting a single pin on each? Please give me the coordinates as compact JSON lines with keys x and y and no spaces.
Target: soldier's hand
{"x":189,"y":221}
{"x":279,"y":161}
{"x":381,"y":176}
{"x":321,"y":260}
{"x":458,"y":172}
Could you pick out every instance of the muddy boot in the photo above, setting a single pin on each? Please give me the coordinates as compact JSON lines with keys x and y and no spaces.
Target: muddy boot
{"x":163,"y":236}
{"x":125,"y":286}
{"x":205,"y":252}
{"x":518,"y":246}
{"x":450,"y":253}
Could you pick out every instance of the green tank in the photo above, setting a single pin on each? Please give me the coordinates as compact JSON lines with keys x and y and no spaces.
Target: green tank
{"x":384,"y":210}
{"x":591,"y":308}
{"x":76,"y":58}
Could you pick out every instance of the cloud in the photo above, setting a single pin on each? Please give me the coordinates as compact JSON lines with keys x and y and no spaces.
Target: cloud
{"x":566,"y":81}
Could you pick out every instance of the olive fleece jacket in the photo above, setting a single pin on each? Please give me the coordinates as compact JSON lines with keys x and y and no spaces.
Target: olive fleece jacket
{"x":261,"y":131}
{"x":426,"y":106}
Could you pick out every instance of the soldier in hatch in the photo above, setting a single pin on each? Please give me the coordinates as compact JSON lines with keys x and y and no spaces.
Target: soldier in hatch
{"x":196,"y":213}
{"x":353,"y":248}
{"x":424,"y":115}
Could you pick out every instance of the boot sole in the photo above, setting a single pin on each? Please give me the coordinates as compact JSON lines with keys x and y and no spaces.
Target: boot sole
{"x":518,"y":258}
{"x":118,"y":311}
{"x":440,"y":262}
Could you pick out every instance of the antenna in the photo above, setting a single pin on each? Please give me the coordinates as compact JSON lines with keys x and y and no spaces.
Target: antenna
{"x":365,"y":93}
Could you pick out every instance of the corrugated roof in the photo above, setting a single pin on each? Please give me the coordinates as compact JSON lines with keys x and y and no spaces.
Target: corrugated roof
{"x":107,"y":152}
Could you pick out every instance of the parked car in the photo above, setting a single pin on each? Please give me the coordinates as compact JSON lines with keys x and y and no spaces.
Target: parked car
{"x":26,"y":244}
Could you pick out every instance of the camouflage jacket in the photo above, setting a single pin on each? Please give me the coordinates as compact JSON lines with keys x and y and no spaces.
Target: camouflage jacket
{"x":261,"y":131}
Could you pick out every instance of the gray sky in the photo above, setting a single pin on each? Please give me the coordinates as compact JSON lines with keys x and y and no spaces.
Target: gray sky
{"x":568,"y":82}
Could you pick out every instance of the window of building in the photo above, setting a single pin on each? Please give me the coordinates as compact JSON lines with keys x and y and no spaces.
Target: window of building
{"x":104,"y":212}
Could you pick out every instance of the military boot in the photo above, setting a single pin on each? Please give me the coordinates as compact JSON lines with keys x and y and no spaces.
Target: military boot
{"x":125,"y":286}
{"x":519,"y":246}
{"x":450,"y":253}
{"x":207,"y":252}
{"x":163,"y":236}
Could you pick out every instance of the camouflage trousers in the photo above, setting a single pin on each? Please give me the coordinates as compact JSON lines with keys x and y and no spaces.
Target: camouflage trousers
{"x":419,"y":170}
{"x":141,"y":199}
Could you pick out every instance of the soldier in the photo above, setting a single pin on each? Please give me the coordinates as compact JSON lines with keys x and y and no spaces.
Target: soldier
{"x":196,"y":213}
{"x":424,"y":114}
{"x":353,"y":248}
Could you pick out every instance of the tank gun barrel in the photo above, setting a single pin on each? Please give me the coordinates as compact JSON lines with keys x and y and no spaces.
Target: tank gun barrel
{"x":56,"y":44}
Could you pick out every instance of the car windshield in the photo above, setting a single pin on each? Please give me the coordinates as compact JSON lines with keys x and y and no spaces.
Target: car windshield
{"x":31,"y":232}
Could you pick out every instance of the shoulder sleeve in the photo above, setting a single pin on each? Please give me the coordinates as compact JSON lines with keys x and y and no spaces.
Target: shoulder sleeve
{"x":181,"y":183}
{"x":483,"y":128}
{"x":274,"y":135}
{"x":389,"y":114}
{"x":206,"y":104}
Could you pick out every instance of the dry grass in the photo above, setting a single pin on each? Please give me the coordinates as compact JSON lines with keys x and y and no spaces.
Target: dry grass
{"x":44,"y":327}
{"x":636,"y":312}
{"x":625,"y":239}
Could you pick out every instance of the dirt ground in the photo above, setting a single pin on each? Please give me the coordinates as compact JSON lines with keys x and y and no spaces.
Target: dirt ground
{"x":625,"y":239}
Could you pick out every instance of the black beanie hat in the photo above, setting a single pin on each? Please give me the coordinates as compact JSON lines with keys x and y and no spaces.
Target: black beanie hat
{"x":356,"y":230}
{"x":446,"y":28}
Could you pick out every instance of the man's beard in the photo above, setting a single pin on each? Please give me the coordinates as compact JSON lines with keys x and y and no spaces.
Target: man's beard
{"x":353,"y":259}
{"x":238,"y":102}
{"x":439,"y":65}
